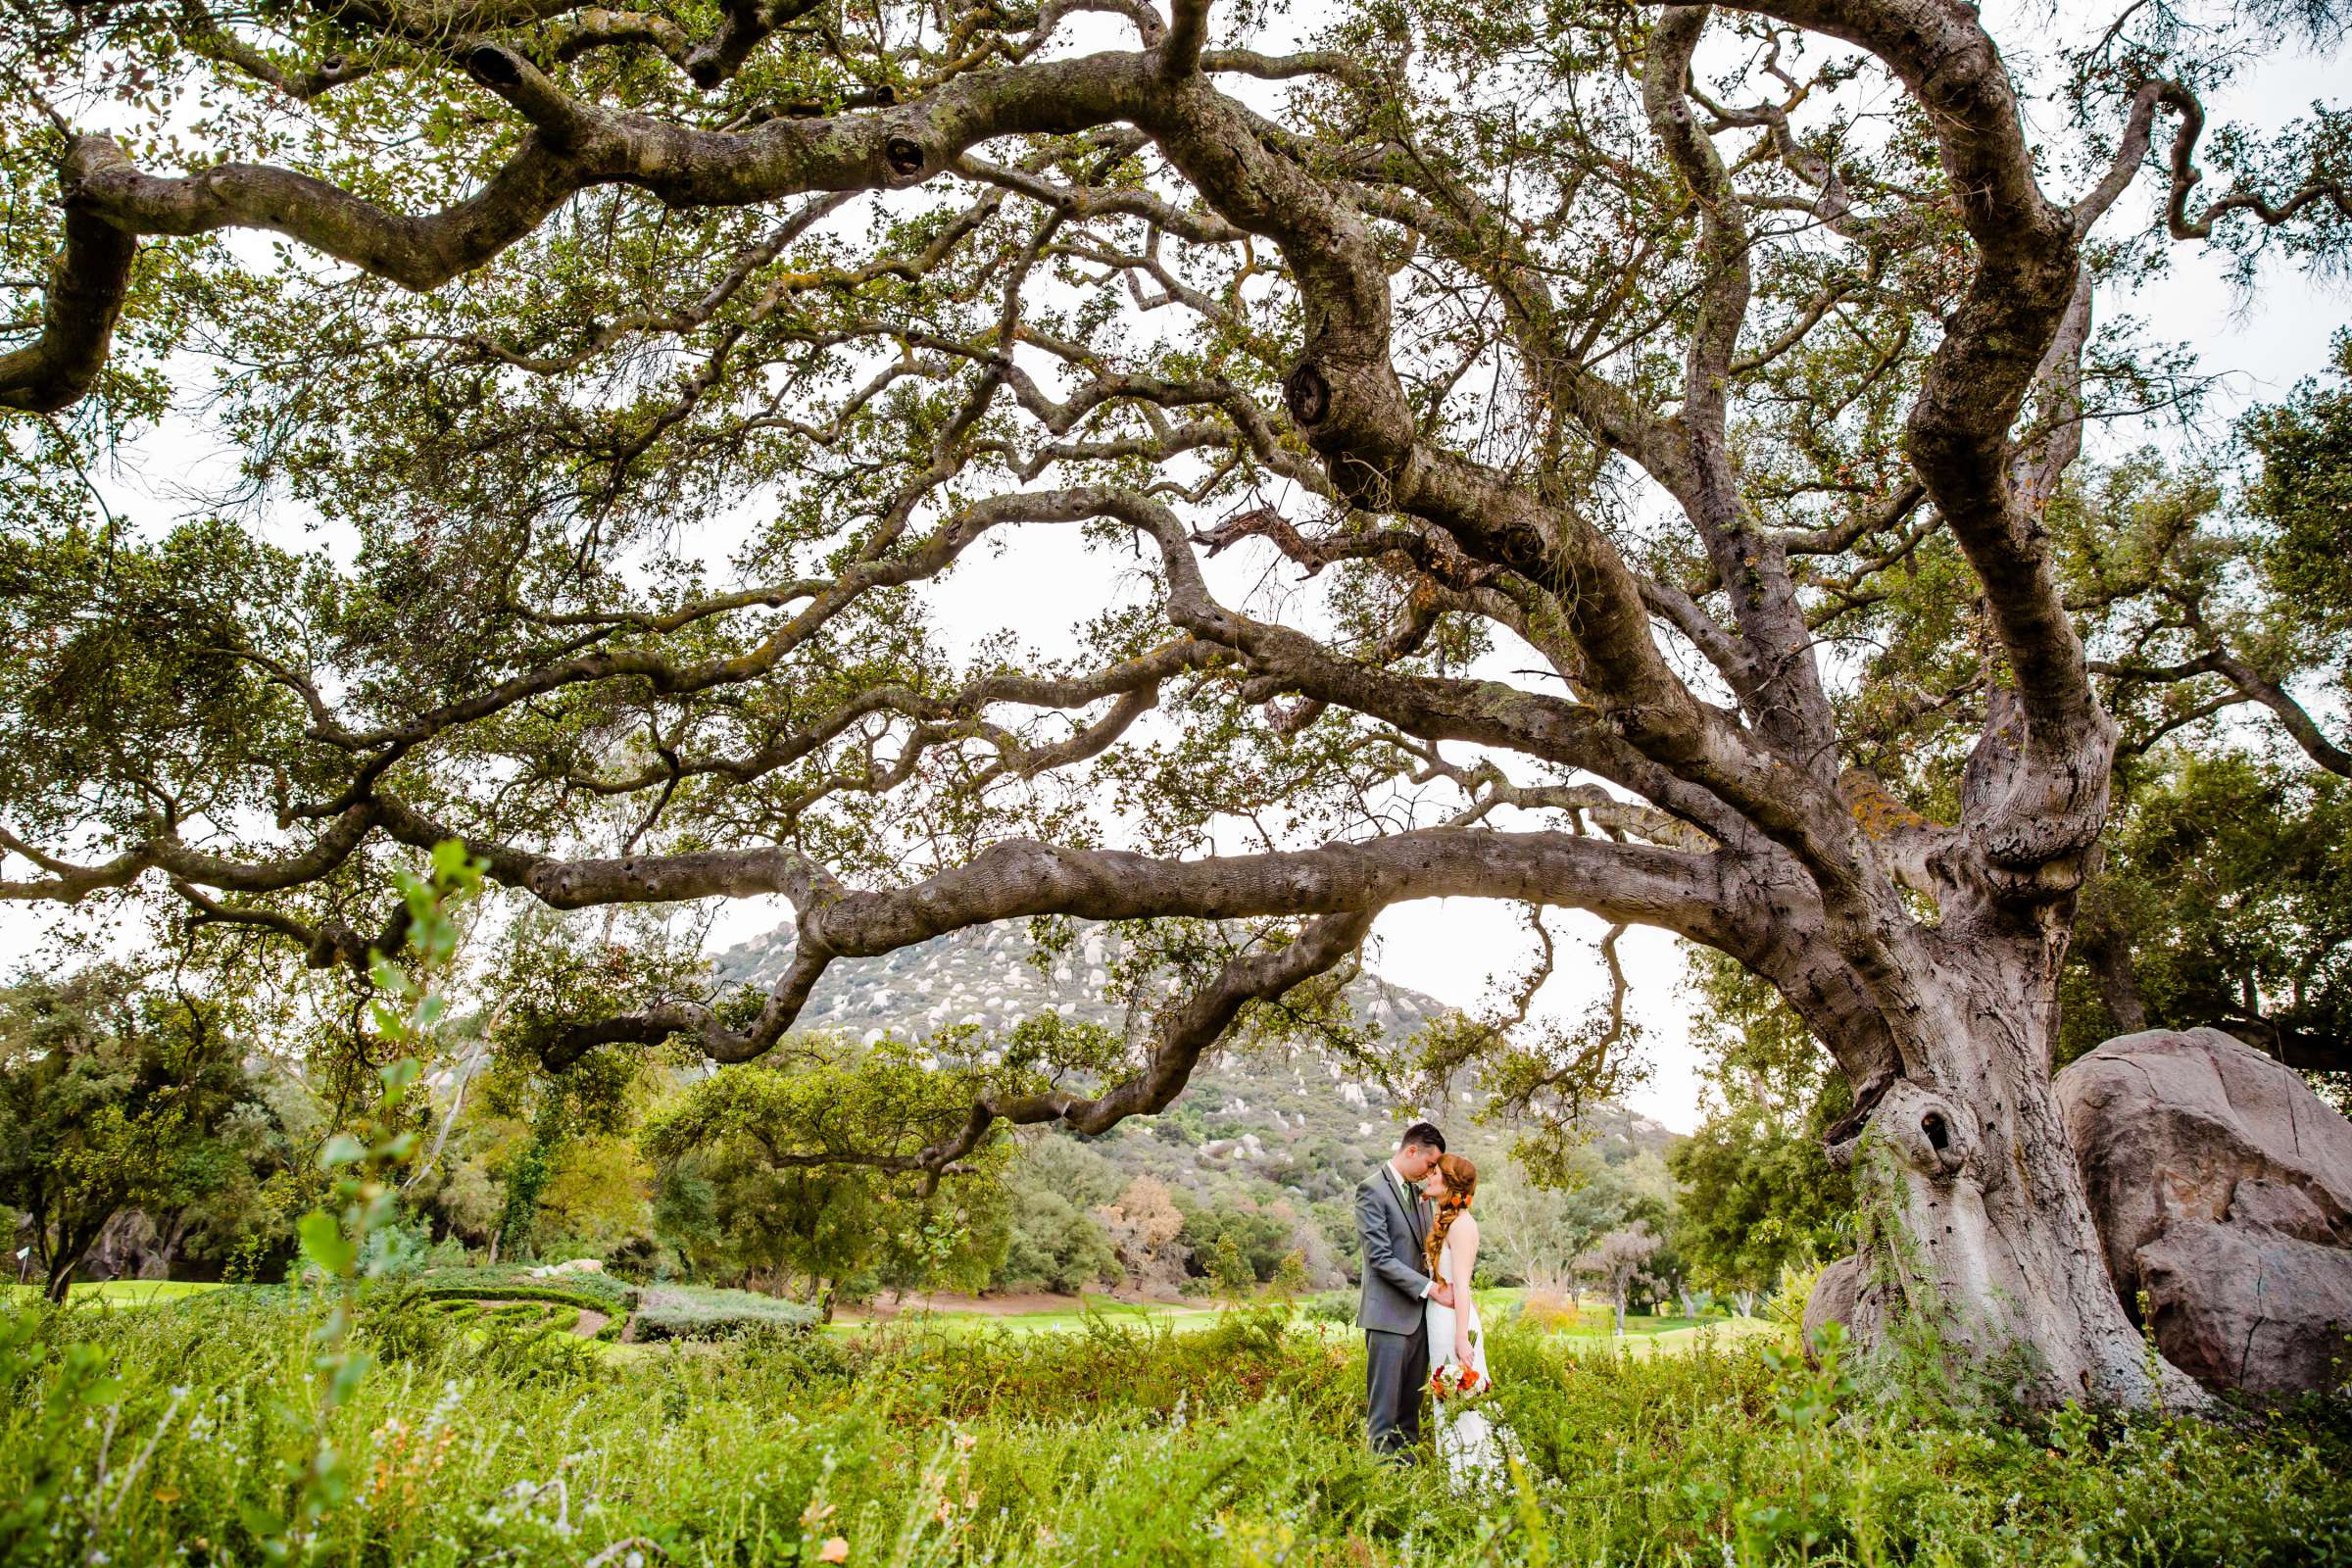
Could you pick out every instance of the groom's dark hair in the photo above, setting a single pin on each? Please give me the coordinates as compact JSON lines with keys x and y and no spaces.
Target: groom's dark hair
{"x":1424,"y":1134}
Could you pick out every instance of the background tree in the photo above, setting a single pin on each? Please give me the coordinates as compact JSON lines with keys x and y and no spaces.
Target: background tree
{"x":1658,"y":352}
{"x":1055,"y":1240}
{"x":765,"y":1143}
{"x":2303,"y":446}
{"x":2223,"y":897}
{"x":601,"y":1198}
{"x":113,"y":1096}
{"x":1619,"y":1265}
{"x":206,"y":1227}
{"x":1143,"y":1225}
{"x":1756,"y":1191}
{"x":2225,"y":900}
{"x":1536,"y":1232}
{"x":1231,"y":1275}
{"x":1249,"y":1235}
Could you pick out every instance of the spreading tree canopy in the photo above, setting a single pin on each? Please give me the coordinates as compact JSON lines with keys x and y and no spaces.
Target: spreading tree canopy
{"x":1599,"y":455}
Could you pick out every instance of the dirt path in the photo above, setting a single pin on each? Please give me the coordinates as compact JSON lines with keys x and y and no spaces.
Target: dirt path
{"x":1023,"y":1304}
{"x":585,"y":1326}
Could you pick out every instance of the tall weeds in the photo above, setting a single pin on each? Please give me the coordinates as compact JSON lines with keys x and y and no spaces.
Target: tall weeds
{"x":150,"y":1437}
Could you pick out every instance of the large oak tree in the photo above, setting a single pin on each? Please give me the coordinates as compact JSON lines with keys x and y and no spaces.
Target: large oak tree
{"x":1597,"y":381}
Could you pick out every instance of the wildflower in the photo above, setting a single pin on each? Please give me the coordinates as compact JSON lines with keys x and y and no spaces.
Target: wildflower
{"x":835,"y":1550}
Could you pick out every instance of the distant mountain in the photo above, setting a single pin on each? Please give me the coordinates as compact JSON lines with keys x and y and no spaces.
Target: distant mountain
{"x":1301,"y":1120}
{"x":984,"y":976}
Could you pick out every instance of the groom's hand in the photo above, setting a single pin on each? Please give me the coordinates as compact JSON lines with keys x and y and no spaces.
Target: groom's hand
{"x":1443,"y":1294}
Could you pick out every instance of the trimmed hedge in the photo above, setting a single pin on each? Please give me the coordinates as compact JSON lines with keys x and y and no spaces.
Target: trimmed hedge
{"x":690,"y":1313}
{"x":511,"y":1282}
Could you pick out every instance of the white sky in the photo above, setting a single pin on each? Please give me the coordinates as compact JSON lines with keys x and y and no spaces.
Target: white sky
{"x":1452,"y":948}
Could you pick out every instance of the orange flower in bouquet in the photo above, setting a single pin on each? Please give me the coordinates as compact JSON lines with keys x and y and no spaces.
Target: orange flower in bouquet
{"x":1454,"y":1379}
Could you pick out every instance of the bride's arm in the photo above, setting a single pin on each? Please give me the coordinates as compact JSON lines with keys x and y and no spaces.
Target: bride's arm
{"x":1463,"y":1244}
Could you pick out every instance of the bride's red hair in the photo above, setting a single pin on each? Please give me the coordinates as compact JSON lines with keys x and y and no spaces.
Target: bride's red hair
{"x":1461,"y":1184}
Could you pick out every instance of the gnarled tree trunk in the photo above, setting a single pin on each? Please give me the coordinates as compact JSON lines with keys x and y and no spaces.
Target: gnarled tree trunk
{"x":1980,"y":1234}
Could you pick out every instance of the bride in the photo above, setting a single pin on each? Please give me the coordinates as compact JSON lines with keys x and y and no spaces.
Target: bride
{"x":1466,"y":1437}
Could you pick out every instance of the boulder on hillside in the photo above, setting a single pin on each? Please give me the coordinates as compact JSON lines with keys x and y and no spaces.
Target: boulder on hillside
{"x":2221,"y":1188}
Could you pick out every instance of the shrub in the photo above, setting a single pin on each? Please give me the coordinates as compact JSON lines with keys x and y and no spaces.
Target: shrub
{"x":1787,"y":1303}
{"x":512,"y":1282}
{"x":1330,"y":1306}
{"x":395,"y":1251}
{"x":1056,"y":1244}
{"x":688,"y":1312}
{"x":1551,"y":1311}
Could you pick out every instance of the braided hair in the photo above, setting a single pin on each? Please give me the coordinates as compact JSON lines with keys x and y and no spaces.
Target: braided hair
{"x":1461,"y":1184}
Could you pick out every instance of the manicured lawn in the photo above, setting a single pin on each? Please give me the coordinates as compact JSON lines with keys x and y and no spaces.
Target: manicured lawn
{"x":139,"y":1293}
{"x":1669,"y":1338}
{"x":1642,"y":1335}
{"x":1062,"y":1321}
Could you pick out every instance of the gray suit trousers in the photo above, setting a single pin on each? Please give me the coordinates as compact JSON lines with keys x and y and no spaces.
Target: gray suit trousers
{"x":1396,"y":1366}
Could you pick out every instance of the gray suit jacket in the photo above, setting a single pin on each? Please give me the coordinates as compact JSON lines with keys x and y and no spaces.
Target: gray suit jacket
{"x":1392,"y":1233}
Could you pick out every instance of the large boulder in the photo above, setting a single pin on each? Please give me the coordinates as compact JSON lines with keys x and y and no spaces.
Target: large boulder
{"x":2222,"y":1187}
{"x":1840,"y":1296}
{"x":2240,"y":1307}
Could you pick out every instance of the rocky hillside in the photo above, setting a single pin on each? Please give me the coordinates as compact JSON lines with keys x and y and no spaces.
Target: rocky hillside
{"x":1301,"y":1120}
{"x":984,"y":976}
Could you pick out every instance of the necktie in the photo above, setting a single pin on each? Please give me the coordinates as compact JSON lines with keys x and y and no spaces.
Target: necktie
{"x":1411,"y":1202}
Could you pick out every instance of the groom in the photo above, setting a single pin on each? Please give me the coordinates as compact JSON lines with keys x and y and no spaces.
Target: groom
{"x":1391,"y":1220}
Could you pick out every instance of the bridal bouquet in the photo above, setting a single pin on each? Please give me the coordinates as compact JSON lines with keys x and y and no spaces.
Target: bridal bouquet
{"x":1454,"y":1379}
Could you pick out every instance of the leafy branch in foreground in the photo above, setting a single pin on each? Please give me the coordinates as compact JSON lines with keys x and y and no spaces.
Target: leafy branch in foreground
{"x":365,"y":1161}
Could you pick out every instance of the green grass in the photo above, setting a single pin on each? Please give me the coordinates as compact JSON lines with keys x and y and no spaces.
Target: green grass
{"x":515,"y":1282}
{"x":1065,"y":1320}
{"x":1642,"y":1334}
{"x":1672,"y":1336}
{"x":137,"y":1293}
{"x":1235,"y":1443}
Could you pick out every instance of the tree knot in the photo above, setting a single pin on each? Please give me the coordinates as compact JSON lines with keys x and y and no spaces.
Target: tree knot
{"x":493,"y":67}
{"x":906,"y":159}
{"x":1306,"y":394}
{"x":1932,"y":1136}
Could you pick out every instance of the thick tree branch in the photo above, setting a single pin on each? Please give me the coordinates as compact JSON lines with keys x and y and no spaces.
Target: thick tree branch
{"x":2040,"y":801}
{"x":1020,"y":879}
{"x":87,"y":283}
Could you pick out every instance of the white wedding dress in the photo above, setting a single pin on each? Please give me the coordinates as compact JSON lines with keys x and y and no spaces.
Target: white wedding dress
{"x":1467,"y":1442}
